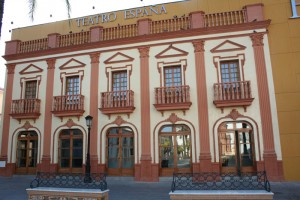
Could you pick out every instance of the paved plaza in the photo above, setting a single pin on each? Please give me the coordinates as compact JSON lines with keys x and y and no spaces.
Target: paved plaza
{"x":13,"y":188}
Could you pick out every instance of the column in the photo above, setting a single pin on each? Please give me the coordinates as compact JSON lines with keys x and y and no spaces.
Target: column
{"x":46,"y":159}
{"x":9,"y":168}
{"x":94,"y":86}
{"x":269,"y":154}
{"x":205,"y":155}
{"x":145,"y":167}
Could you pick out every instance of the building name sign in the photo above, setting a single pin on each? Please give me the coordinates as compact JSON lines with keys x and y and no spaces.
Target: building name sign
{"x":294,"y":5}
{"x":127,"y":14}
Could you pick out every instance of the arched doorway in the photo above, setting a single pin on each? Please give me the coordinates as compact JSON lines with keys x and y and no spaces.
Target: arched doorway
{"x":175,"y":151}
{"x":70,"y":150}
{"x":120,"y":151}
{"x":27,"y":152}
{"x":236,"y":146}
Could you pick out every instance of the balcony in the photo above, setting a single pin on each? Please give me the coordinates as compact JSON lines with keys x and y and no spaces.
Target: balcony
{"x":68,"y":105}
{"x":116,"y":102}
{"x":172,"y":98}
{"x":232,"y":94}
{"x":25,"y":109}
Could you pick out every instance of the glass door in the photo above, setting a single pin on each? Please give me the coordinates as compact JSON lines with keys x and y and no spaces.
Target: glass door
{"x":27,"y":151}
{"x":120,"y":152}
{"x":236,"y":147}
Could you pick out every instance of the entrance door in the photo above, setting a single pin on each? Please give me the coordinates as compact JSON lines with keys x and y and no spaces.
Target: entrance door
{"x":175,"y":149}
{"x":236,"y":147}
{"x":120,"y":152}
{"x":27,"y":151}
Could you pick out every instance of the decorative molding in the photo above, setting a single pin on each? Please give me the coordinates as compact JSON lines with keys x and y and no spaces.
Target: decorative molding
{"x":51,"y":63}
{"x":233,"y":47}
{"x":27,"y":125}
{"x":72,"y":63}
{"x":199,"y":45}
{"x":95,"y":57}
{"x":173,"y":118}
{"x":31,"y":69}
{"x":10,"y":68}
{"x":257,"y":39}
{"x":234,"y":114}
{"x":70,"y":123}
{"x":144,"y":51}
{"x":178,"y":52}
{"x":119,"y":121}
{"x":118,"y":58}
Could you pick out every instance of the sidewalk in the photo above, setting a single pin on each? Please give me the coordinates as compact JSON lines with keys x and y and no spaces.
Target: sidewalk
{"x":13,"y":188}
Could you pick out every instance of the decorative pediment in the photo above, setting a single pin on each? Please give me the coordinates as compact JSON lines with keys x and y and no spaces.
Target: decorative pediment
{"x":72,"y":63}
{"x":118,"y":58}
{"x":31,"y":69}
{"x":171,"y":51}
{"x":228,"y":46}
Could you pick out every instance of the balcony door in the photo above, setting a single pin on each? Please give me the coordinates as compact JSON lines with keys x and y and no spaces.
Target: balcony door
{"x":230,"y":75}
{"x":72,"y":92}
{"x":30,"y":96}
{"x":27,"y":151}
{"x":120,"y":151}
{"x":236,"y":146}
{"x":119,"y":87}
{"x":175,"y":152}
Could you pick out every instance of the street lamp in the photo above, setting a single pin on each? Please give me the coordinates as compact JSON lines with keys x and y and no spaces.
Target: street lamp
{"x":87,"y":178}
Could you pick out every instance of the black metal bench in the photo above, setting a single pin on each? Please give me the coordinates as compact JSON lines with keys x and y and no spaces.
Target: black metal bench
{"x":220,"y":185}
{"x":54,"y":185}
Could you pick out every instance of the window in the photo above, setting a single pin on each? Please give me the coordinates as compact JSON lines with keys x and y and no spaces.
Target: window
{"x":172,"y":76}
{"x":72,"y":85}
{"x":119,"y":81}
{"x":30,"y":89}
{"x":230,"y":71}
{"x":70,"y":150}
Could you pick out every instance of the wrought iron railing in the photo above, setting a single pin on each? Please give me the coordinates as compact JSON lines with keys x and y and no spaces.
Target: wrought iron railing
{"x":45,"y":179}
{"x":221,"y":181}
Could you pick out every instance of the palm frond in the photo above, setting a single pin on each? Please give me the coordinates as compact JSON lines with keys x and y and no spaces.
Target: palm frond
{"x":32,"y":6}
{"x":68,"y":5}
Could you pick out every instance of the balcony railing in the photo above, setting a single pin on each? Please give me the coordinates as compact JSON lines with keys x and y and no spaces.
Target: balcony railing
{"x":25,"y":109}
{"x":169,"y":25}
{"x":68,"y":105}
{"x":172,"y":98}
{"x":117,"y":102}
{"x":232,"y":94}
{"x":225,"y":18}
{"x":74,"y":39}
{"x":132,"y":30}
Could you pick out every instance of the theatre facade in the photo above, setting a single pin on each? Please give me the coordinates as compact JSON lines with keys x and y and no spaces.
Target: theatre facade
{"x":177,"y":87}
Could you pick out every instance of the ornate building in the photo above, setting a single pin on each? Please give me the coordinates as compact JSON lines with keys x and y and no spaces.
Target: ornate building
{"x":179,"y":87}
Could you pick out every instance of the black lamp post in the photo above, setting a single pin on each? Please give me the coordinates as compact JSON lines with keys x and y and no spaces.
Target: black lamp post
{"x":87,"y":178}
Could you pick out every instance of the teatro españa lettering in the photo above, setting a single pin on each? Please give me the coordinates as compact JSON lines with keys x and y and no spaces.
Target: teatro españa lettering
{"x":127,"y":14}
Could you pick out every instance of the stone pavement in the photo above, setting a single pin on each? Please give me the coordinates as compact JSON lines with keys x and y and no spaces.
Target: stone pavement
{"x":13,"y":188}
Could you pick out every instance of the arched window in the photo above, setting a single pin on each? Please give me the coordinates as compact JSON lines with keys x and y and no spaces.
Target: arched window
{"x":120,"y":151}
{"x":70,"y":150}
{"x":236,"y":146}
{"x":27,"y":151}
{"x":175,"y":153}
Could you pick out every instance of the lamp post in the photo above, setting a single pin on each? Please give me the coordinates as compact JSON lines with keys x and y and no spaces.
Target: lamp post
{"x":87,"y":178}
